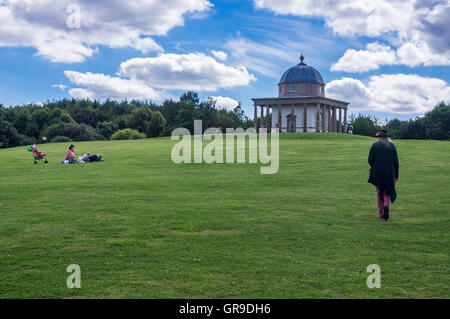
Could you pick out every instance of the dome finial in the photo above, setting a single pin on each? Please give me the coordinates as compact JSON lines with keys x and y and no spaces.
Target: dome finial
{"x":302,"y":58}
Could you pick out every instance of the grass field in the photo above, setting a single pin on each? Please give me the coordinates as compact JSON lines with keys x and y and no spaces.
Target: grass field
{"x":140,"y":226}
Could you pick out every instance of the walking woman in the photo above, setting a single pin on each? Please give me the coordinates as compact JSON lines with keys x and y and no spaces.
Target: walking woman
{"x":383,"y":161}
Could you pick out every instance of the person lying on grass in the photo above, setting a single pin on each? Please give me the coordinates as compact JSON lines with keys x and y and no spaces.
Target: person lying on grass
{"x":96,"y":158}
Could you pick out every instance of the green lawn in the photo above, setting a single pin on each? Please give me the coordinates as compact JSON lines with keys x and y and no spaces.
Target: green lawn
{"x":140,"y":226}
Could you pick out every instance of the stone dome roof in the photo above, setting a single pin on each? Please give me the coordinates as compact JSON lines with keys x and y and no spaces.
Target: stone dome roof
{"x":302,"y":73}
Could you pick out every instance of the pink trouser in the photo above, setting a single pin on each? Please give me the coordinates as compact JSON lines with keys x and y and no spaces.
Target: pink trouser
{"x":381,"y":204}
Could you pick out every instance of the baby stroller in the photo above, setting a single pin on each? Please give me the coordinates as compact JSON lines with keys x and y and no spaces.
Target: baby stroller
{"x":37,"y":155}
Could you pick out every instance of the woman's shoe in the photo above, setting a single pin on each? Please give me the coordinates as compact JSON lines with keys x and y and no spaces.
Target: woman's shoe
{"x":386,"y":213}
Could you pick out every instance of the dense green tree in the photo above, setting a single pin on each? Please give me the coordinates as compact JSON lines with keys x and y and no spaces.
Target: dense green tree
{"x":74,"y":131}
{"x":364,"y":125}
{"x":156,"y":126}
{"x":8,"y":134}
{"x":187,"y":111}
{"x":41,"y":117}
{"x":107,"y":128}
{"x":437,"y":123}
{"x":169,"y":110}
{"x":140,"y":119}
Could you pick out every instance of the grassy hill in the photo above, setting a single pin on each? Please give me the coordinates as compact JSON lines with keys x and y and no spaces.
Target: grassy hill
{"x":140,"y":226}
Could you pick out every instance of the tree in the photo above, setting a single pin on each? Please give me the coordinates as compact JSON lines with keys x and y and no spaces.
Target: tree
{"x":365,"y":125}
{"x":414,"y":129}
{"x":437,"y":122}
{"x":8,"y":134}
{"x":190,"y":97}
{"x":396,"y":128}
{"x":41,"y":118}
{"x":240,"y":113}
{"x":187,"y":112}
{"x":169,"y":110}
{"x":157,"y":123}
{"x":107,"y":129}
{"x":140,"y":119}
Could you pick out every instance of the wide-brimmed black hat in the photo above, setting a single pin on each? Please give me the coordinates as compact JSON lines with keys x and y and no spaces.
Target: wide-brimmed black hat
{"x":382,"y":133}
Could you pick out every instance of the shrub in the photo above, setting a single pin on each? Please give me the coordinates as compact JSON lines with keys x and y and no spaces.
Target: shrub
{"x":74,"y":131}
{"x":127,"y":134}
{"x":59,"y":139}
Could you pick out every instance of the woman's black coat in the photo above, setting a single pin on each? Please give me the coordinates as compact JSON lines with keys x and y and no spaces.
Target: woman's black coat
{"x":383,"y":161}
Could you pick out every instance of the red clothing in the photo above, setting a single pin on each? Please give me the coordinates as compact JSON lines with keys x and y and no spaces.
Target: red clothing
{"x":70,"y":155}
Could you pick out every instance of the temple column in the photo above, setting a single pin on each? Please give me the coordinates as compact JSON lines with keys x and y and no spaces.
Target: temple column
{"x":280,"y":119}
{"x":318,"y":118}
{"x":293,"y":128}
{"x":261,"y":118}
{"x":340,"y":120}
{"x":268,"y":124}
{"x":329,"y":117}
{"x":345,"y":120}
{"x":305,"y":118}
{"x":255,"y":118}
{"x":323,"y":118}
{"x":333,"y":119}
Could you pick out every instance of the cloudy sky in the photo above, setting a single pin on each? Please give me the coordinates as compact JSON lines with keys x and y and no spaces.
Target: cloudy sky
{"x":387,"y":58}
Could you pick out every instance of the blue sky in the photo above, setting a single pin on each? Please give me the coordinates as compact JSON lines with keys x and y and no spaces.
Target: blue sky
{"x":231,"y":50}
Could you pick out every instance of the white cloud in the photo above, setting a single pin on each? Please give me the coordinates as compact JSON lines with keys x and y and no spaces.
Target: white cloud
{"x":364,"y":60}
{"x":220,"y":55}
{"x":62,"y":87}
{"x":376,"y":55}
{"x":419,"y":52}
{"x":146,"y":45}
{"x":411,"y":27}
{"x":64,"y":50}
{"x":194,"y":71}
{"x":42,"y":24}
{"x":222,"y":102}
{"x":100,"y":86}
{"x":146,"y":78}
{"x":348,"y":17}
{"x":393,"y":93}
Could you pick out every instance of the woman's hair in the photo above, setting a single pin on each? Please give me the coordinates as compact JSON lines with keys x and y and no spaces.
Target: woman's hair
{"x":386,"y":141}
{"x":71,"y":146}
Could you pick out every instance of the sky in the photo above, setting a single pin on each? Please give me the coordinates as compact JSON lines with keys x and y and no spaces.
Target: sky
{"x":390,"y":58}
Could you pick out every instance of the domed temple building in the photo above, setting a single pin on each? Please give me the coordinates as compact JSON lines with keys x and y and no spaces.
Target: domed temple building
{"x":301,"y":105}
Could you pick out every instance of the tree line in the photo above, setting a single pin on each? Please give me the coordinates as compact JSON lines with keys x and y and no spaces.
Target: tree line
{"x":84,"y":120}
{"x":435,"y":125}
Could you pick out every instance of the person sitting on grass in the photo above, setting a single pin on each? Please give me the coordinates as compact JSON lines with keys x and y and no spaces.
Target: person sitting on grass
{"x":96,"y":158}
{"x":70,"y":155}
